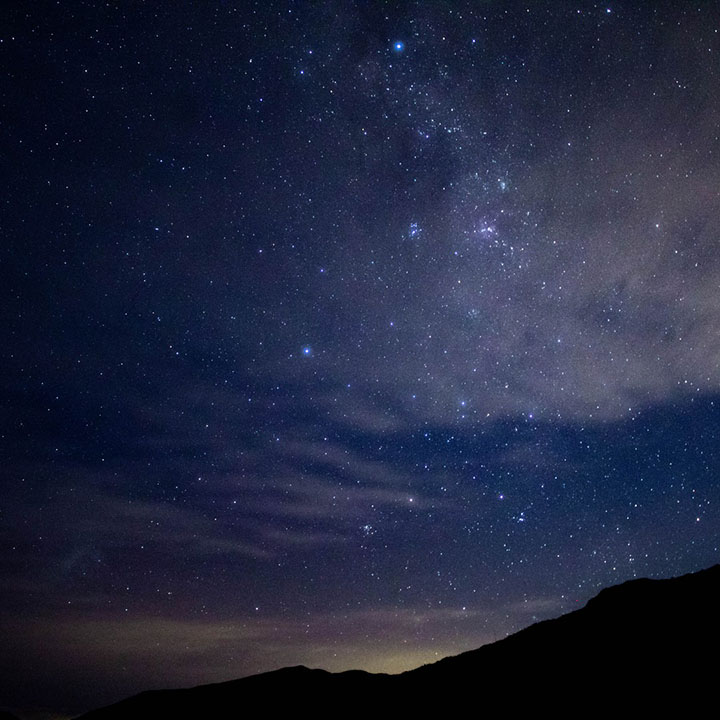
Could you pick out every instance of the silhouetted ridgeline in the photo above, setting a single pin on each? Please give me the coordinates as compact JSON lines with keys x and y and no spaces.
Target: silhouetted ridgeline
{"x":643,"y":646}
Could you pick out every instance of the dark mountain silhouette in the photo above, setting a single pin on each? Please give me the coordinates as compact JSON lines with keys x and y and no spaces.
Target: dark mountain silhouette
{"x":643,"y":646}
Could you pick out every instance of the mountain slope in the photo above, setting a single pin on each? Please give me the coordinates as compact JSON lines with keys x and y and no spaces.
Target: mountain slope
{"x":645,"y":645}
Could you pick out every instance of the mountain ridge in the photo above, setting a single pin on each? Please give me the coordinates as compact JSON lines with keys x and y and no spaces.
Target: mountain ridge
{"x":642,"y":644}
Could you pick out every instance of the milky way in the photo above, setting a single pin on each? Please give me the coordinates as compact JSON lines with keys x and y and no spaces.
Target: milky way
{"x":347,"y":334}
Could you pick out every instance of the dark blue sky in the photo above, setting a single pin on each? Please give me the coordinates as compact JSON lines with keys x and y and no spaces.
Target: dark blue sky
{"x":347,"y":334}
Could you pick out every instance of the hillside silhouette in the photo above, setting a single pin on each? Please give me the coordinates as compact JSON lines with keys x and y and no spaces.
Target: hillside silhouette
{"x":643,"y":646}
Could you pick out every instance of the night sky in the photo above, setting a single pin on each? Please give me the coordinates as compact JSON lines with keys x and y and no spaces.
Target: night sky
{"x":350,"y":334}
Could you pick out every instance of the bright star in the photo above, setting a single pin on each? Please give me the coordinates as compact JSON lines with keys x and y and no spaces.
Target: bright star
{"x":398,"y":46}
